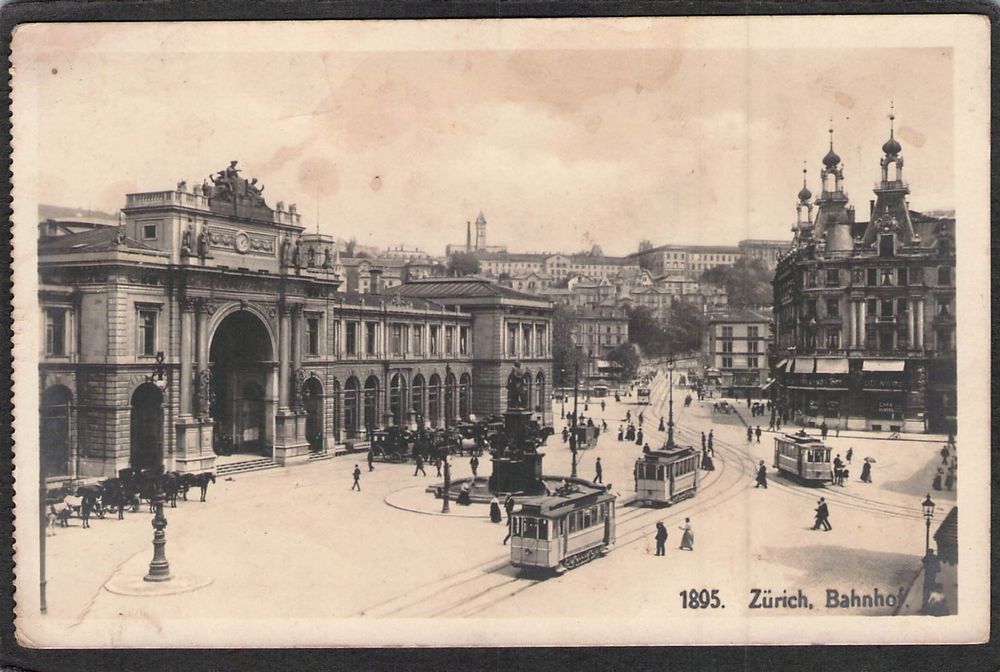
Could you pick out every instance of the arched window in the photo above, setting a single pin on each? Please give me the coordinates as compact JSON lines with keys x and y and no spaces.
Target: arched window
{"x":419,"y":401}
{"x":337,"y":405}
{"x":540,"y":392}
{"x":55,"y":437}
{"x":371,"y":404}
{"x":449,"y":398}
{"x":434,"y":400}
{"x":352,"y":410}
{"x":397,"y":399}
{"x":465,"y":396}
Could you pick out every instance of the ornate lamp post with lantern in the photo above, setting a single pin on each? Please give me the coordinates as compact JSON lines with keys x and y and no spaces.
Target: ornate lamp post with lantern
{"x":928,"y":506}
{"x":671,"y":363}
{"x":159,"y":568}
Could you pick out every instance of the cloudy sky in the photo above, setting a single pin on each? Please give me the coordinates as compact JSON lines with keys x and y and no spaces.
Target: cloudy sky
{"x":564,"y":135}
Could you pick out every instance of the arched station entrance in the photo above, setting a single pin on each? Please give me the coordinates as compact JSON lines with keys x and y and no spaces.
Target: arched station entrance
{"x":54,"y":438}
{"x":465,"y":396}
{"x":146,"y":428}
{"x":242,"y":371}
{"x":371,"y":405}
{"x":397,"y":400}
{"x":312,"y":401}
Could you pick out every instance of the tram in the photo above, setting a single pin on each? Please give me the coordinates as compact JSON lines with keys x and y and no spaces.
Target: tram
{"x":642,"y":395}
{"x":802,"y":456}
{"x":667,"y":475}
{"x":562,"y":530}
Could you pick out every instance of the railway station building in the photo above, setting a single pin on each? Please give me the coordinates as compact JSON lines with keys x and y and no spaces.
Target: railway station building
{"x":210,"y":329}
{"x":865,"y":311}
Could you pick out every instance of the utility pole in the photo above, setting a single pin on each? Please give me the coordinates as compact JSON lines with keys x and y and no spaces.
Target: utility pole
{"x":576,"y":395}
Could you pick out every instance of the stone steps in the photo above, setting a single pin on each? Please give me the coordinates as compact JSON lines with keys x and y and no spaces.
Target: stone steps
{"x":244,"y":466}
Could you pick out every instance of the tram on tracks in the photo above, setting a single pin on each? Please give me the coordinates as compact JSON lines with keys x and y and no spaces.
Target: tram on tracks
{"x":667,"y":475}
{"x":803,"y":457}
{"x":562,"y":530}
{"x":642,"y":395}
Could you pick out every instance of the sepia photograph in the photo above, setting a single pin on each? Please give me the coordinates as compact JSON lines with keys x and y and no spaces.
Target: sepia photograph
{"x":633,"y":331}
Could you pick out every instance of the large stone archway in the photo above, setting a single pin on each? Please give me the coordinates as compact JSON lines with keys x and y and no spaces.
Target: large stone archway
{"x":146,"y":428}
{"x":242,"y":406}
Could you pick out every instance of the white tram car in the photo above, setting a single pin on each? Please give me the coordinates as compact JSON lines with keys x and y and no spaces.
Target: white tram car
{"x":667,"y":475}
{"x":803,"y":456}
{"x":573,"y":525}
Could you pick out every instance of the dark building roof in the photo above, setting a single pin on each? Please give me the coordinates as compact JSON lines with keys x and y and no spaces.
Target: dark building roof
{"x":97,"y":240}
{"x":460,"y":288}
{"x":947,"y":537}
{"x":740,"y":315}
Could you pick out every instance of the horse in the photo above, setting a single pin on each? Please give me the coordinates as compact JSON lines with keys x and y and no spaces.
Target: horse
{"x":93,"y":495}
{"x":200,"y":480}
{"x":114,"y":497}
{"x":172,"y":484}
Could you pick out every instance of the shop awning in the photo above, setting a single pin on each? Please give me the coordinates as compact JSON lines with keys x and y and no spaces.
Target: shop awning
{"x":884,"y":365}
{"x":781,"y":364}
{"x":802,"y":365}
{"x":768,"y":384}
{"x":831,"y":365}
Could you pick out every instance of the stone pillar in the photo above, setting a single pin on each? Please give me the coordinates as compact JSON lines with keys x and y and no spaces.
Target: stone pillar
{"x":203,"y":312}
{"x":296,"y":336}
{"x":862,"y":319}
{"x":284,"y":355}
{"x":852,"y":325}
{"x":920,"y":323}
{"x":910,"y":320}
{"x":187,"y":344}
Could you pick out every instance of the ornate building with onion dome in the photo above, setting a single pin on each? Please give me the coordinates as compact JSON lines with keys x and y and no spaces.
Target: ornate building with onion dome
{"x":864,"y":333}
{"x":211,"y":331}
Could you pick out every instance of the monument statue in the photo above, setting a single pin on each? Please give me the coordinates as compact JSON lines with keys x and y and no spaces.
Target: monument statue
{"x":204,"y":242}
{"x":187,"y":241}
{"x":517,"y":389}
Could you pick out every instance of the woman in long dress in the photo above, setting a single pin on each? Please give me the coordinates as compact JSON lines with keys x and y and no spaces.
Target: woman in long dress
{"x":866,"y":471}
{"x":687,"y":539}
{"x":495,"y":516}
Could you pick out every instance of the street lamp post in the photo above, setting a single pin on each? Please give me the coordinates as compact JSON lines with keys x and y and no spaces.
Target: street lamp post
{"x":576,"y":395}
{"x":159,"y":568}
{"x":670,"y":404}
{"x":445,"y":504}
{"x":928,"y":506}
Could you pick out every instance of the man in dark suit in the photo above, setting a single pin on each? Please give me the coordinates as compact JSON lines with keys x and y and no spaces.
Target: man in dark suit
{"x":822,"y":516}
{"x":357,"y":479}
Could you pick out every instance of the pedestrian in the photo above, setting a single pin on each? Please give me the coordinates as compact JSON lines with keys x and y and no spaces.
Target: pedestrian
{"x":850,"y":454}
{"x":645,"y":448}
{"x":85,"y":511}
{"x":706,"y":461}
{"x":628,"y":416}
{"x":932,"y":565}
{"x":944,"y":455}
{"x":474,"y":464}
{"x":598,"y":472}
{"x":711,"y":436}
{"x":604,"y":426}
{"x":603,"y":406}
{"x":703,"y":441}
{"x":621,"y":433}
{"x":761,"y":476}
{"x":757,"y":432}
{"x":420,"y":466}
{"x":495,"y":516}
{"x":866,"y":471}
{"x":749,"y":434}
{"x":838,"y":470}
{"x":823,"y":429}
{"x":949,"y":480}
{"x":822,"y":516}
{"x":508,"y":505}
{"x":777,"y":424}
{"x":936,"y":483}
{"x":565,"y":434}
{"x":641,"y":416}
{"x":371,"y":459}
{"x":437,"y":465}
{"x":357,"y":479}
{"x":662,"y":427}
{"x":638,"y":437}
{"x":585,"y":407}
{"x":687,"y":539}
{"x":770,"y":425}
{"x":661,"y":538}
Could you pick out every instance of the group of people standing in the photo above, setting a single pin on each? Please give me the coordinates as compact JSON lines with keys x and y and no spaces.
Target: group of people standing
{"x":947,"y":472}
{"x":687,"y":537}
{"x":759,"y":408}
{"x":751,"y":432}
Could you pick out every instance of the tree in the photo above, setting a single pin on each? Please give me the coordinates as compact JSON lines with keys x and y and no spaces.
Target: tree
{"x":646,"y":332}
{"x":462,"y":263}
{"x":747,"y":282}
{"x":626,"y":356}
{"x":684,"y":327}
{"x":565,"y":354}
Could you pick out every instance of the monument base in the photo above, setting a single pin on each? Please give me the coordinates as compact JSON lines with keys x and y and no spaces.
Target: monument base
{"x":520,"y":474}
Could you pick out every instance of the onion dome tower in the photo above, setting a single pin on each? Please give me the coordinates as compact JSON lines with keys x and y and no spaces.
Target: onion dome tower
{"x":803,"y":211}
{"x":891,"y":214}
{"x":833,"y":214}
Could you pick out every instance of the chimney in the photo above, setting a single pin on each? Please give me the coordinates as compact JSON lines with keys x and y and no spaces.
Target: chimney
{"x":375,"y":274}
